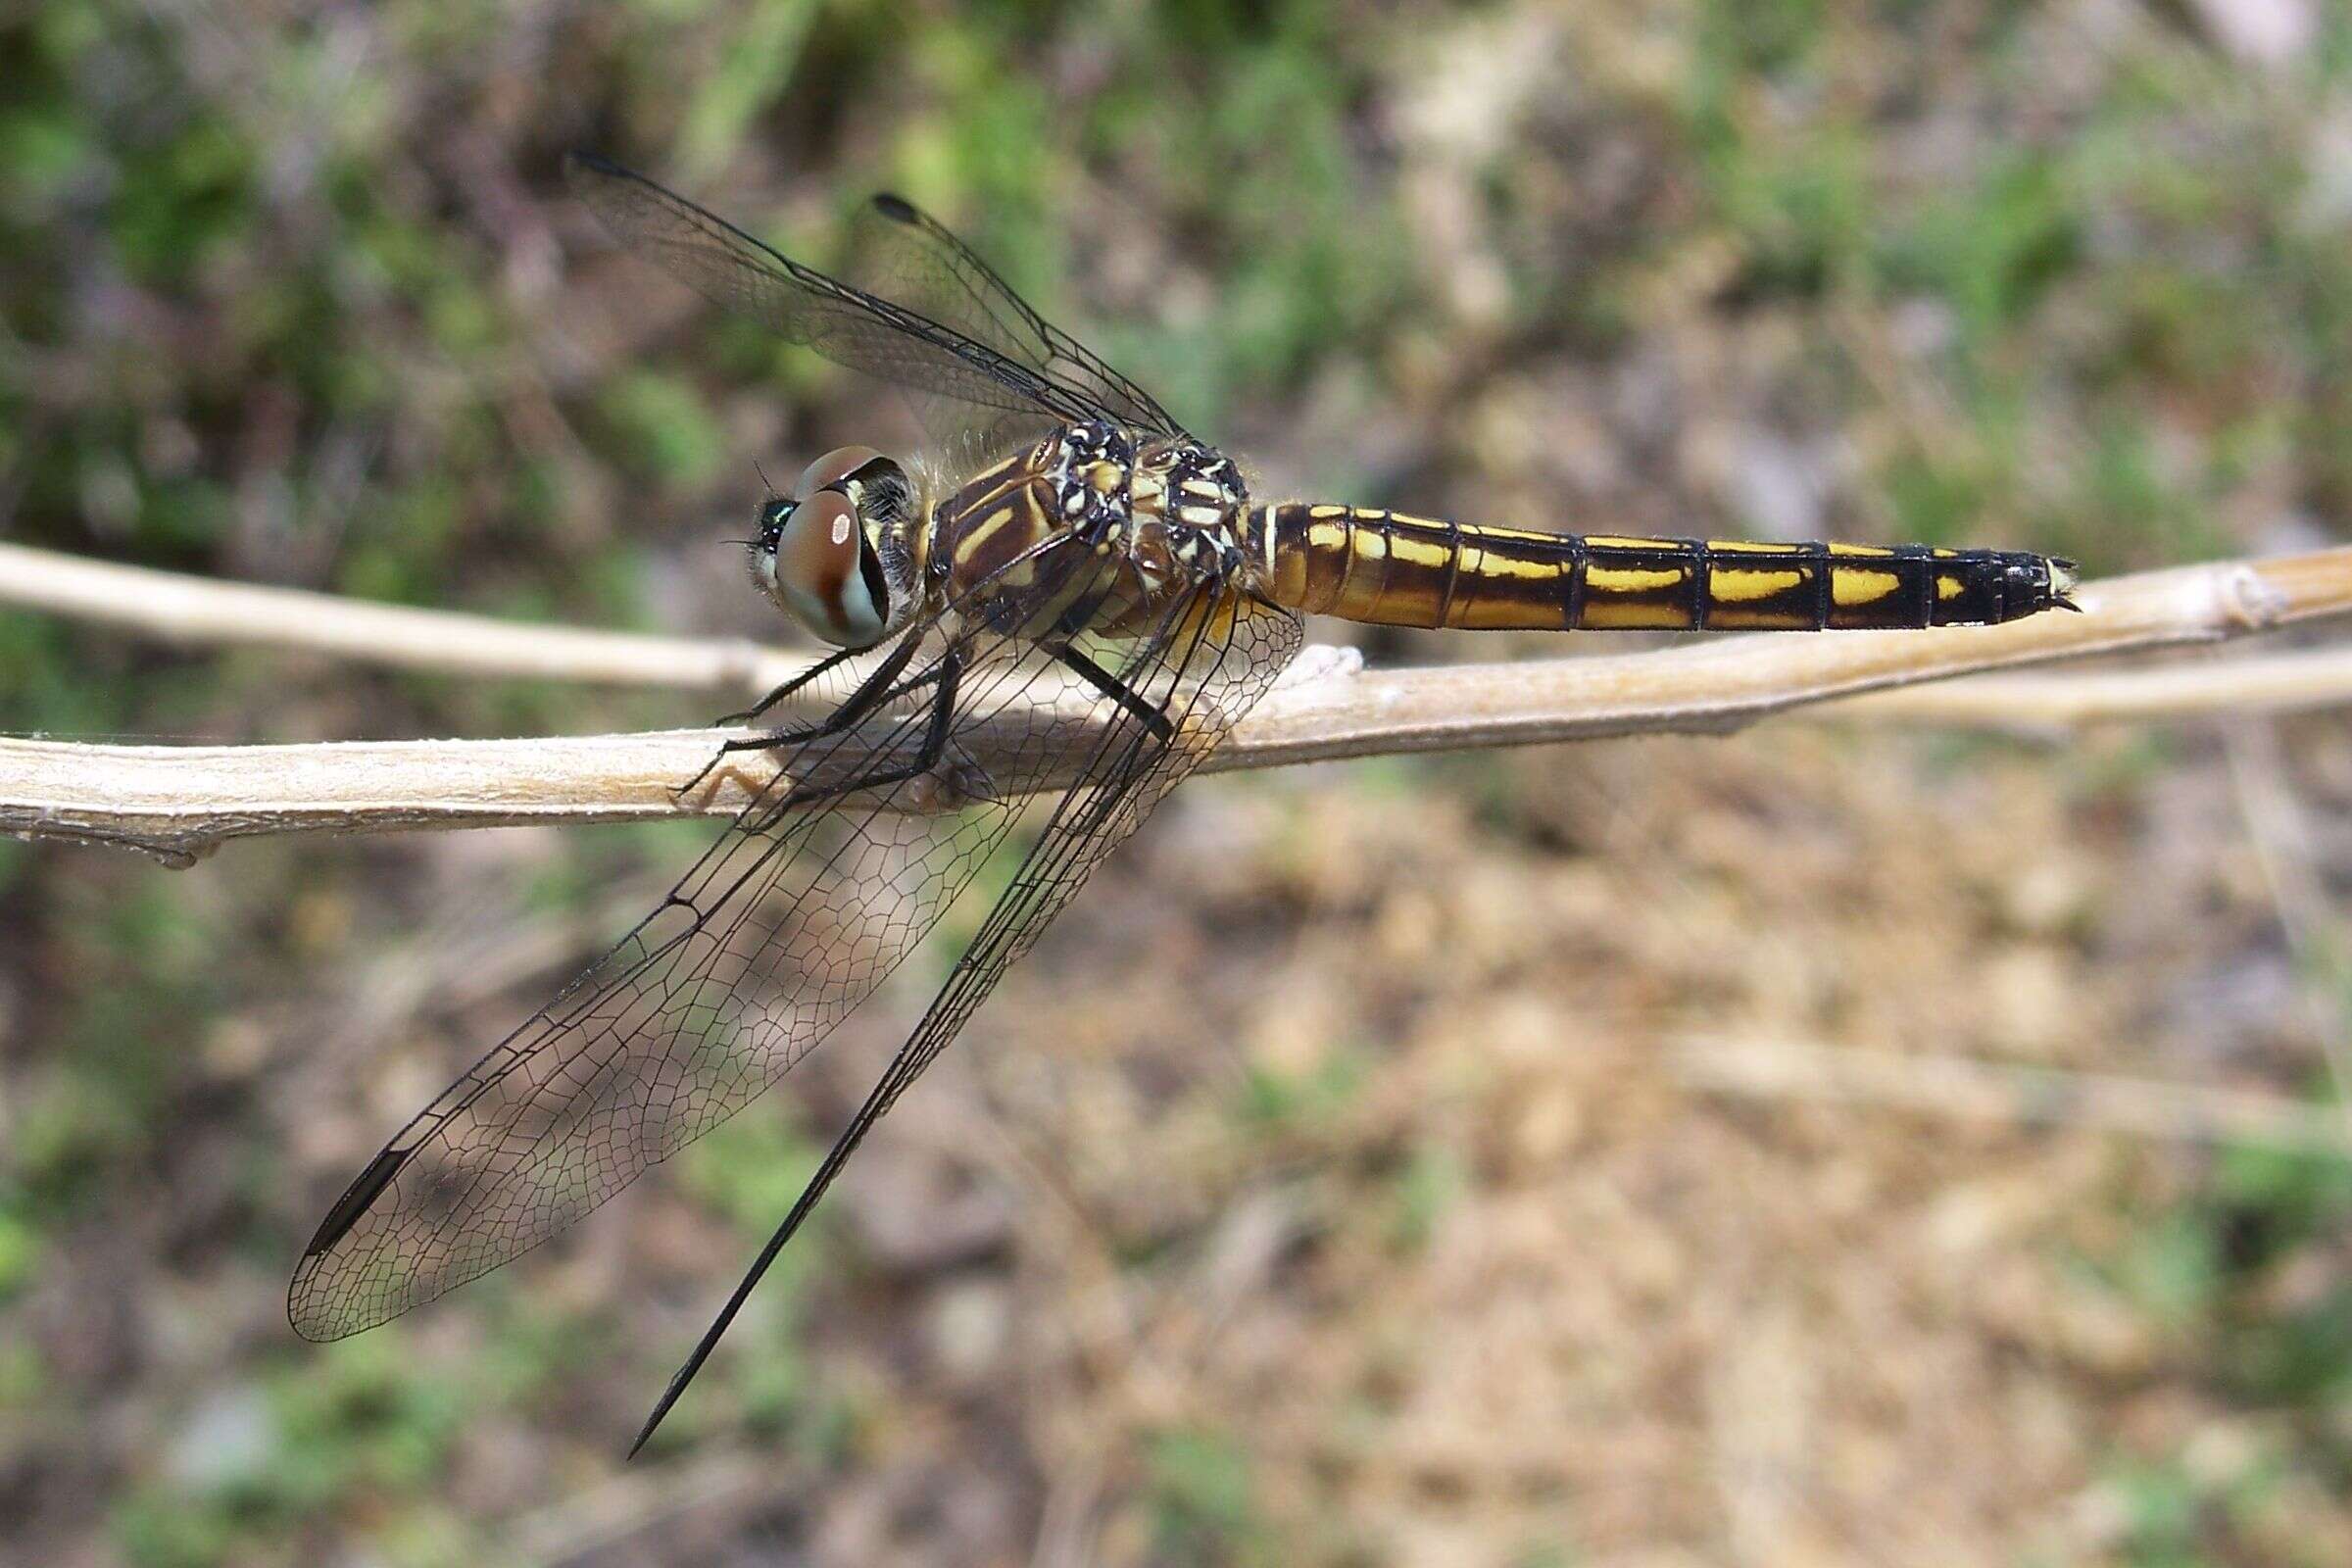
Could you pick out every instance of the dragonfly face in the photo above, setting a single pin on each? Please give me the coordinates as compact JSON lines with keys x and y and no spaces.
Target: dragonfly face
{"x":838,"y":552}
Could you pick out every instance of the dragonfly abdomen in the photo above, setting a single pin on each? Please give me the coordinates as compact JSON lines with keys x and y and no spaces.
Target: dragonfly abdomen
{"x":1396,"y":571}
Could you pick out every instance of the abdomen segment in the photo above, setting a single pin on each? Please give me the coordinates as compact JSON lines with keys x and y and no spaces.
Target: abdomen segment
{"x":1396,"y":571}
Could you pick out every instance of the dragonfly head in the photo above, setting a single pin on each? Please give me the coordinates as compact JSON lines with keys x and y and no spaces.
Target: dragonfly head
{"x":822,"y":552}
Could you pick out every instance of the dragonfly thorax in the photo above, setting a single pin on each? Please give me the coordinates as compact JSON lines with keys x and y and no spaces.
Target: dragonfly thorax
{"x":832,"y":551}
{"x":1093,"y":529}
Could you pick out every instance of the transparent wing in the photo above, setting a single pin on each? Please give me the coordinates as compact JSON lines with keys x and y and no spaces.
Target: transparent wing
{"x":906,"y":255}
{"x":787,"y":922}
{"x":1186,"y":687}
{"x":893,"y":341}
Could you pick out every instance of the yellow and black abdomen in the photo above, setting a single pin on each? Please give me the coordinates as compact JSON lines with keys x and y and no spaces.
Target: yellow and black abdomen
{"x":1394,"y":571}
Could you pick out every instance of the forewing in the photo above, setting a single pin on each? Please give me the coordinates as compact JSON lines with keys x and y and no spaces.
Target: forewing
{"x":786,"y":923}
{"x":845,"y":324}
{"x":1215,"y":657}
{"x":903,"y":254}
{"x":1212,"y":660}
{"x":1208,"y":669}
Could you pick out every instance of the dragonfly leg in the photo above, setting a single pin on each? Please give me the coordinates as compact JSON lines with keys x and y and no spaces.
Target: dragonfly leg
{"x":840,"y":720}
{"x":860,"y":704}
{"x":823,"y":666}
{"x":927,"y":757}
{"x":1118,"y":691}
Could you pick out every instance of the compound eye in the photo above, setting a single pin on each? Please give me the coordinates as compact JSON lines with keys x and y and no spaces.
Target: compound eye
{"x":774,"y":513}
{"x":831,"y":469}
{"x":821,"y":574}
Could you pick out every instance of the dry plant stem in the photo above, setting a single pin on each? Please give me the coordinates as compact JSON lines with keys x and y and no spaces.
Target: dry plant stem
{"x":621,"y":1509}
{"x":201,"y":611}
{"x":1984,"y":1091}
{"x":2270,"y":683}
{"x":183,"y":610}
{"x":180,"y":802}
{"x":2282,"y":848}
{"x":1721,"y":685}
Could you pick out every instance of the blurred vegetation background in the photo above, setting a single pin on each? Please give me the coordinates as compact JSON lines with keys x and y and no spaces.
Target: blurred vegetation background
{"x":1333,"y":1189}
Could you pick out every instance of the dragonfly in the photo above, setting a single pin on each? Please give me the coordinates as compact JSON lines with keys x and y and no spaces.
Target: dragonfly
{"x":1060,"y":609}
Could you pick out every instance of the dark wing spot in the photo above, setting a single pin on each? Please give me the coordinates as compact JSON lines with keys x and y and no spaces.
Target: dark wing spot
{"x":356,"y":1199}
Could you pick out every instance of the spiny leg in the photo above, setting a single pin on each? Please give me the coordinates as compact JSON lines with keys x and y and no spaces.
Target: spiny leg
{"x":948,"y":677}
{"x":1118,"y":691}
{"x":860,"y":704}
{"x":823,"y":666}
{"x":833,"y":724}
